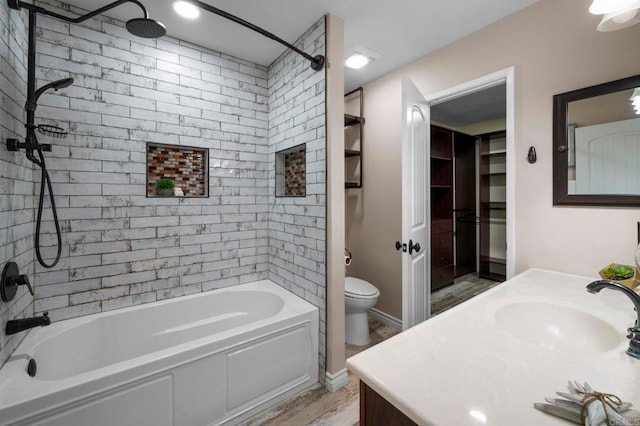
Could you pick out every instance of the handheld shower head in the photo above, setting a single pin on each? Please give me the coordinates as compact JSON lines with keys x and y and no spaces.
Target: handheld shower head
{"x":59,"y":84}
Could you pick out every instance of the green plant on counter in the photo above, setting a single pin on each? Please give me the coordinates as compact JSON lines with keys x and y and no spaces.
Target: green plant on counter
{"x":617,"y":272}
{"x":165,"y":184}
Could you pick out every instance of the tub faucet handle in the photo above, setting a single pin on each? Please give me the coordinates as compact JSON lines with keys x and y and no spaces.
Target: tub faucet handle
{"x":10,"y":280}
{"x":24,"y":280}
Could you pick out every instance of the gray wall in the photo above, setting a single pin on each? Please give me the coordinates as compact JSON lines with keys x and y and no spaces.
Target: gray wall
{"x":16,"y":172}
{"x":121,"y":248}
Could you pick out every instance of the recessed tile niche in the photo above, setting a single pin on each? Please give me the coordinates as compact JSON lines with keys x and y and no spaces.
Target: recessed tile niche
{"x":187,"y":167}
{"x":291,"y":172}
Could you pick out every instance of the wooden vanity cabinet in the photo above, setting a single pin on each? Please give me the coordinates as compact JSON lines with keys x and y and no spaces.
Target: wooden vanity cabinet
{"x":377,"y":411}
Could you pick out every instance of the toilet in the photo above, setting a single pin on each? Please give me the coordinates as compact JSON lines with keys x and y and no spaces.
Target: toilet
{"x":359,"y":297}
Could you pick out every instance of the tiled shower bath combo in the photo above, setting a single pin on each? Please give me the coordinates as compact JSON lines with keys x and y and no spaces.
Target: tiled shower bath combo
{"x":120,"y":247}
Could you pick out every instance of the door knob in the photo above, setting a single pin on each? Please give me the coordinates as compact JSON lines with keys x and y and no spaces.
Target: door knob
{"x":412,"y":247}
{"x":400,"y":246}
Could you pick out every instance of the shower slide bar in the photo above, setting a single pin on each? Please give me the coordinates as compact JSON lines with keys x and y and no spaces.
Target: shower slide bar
{"x":141,"y":27}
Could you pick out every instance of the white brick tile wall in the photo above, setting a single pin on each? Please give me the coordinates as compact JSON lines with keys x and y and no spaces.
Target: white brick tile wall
{"x":121,"y":248}
{"x":129,"y":91}
{"x":296,"y":225}
{"x":16,"y":173}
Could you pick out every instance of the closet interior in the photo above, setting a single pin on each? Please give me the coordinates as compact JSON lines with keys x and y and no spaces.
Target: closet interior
{"x":468,"y":188}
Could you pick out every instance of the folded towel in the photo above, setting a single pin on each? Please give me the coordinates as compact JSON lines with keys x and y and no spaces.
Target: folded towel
{"x":583,"y":405}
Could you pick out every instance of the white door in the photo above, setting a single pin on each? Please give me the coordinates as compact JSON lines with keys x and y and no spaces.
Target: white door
{"x":608,"y":158}
{"x":416,"y":261}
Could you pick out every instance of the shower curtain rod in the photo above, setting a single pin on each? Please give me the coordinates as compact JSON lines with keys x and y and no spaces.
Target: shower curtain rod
{"x":317,"y":62}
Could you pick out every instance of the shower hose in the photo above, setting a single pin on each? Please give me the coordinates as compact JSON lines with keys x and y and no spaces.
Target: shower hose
{"x":44,"y":178}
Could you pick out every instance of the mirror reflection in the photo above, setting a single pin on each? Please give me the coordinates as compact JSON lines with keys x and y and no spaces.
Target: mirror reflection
{"x":603,"y":134}
{"x":596,"y":140}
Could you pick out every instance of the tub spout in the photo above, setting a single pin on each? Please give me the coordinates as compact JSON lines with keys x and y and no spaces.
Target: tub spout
{"x":633,"y":332}
{"x":16,"y":326}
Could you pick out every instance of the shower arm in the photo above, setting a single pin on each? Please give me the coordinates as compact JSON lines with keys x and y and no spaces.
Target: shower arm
{"x":317,"y":62}
{"x":31,"y":142}
{"x":17,"y":4}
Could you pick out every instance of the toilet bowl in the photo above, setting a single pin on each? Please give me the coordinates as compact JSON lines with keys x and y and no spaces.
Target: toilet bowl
{"x":359,"y":297}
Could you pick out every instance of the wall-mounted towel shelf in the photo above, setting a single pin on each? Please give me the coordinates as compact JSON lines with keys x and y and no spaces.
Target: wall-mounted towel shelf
{"x":353,"y":129}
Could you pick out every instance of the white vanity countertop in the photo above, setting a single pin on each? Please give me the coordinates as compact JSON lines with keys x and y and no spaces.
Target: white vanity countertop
{"x":489,"y":359}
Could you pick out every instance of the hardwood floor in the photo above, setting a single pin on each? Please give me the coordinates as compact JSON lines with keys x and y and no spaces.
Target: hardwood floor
{"x":318,"y":407}
{"x":463,"y":288}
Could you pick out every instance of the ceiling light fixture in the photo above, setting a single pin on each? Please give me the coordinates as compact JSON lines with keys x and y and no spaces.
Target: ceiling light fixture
{"x":602,"y":7}
{"x":186,"y":9}
{"x":356,"y":61}
{"x":357,"y":56}
{"x":618,"y":14}
{"x":635,"y":100}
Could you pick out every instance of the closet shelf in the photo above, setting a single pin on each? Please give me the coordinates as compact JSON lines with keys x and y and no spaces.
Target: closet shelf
{"x":495,"y":260}
{"x":494,"y":152}
{"x":440,"y":157}
{"x":493,"y":156}
{"x":352,"y":185}
{"x":494,"y":205}
{"x":351,"y":153}
{"x":350,"y":120}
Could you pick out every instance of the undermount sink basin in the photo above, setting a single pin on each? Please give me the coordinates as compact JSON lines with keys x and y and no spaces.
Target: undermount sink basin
{"x":557,"y":327}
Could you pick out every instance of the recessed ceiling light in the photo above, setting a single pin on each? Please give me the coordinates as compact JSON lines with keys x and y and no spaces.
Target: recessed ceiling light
{"x":186,"y":9}
{"x":356,"y":60}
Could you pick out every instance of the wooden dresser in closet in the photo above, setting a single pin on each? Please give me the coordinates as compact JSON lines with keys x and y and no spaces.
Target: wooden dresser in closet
{"x":442,"y":272}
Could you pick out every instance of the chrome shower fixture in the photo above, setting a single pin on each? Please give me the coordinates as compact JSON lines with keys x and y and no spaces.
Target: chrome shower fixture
{"x":317,"y":62}
{"x":141,"y":27}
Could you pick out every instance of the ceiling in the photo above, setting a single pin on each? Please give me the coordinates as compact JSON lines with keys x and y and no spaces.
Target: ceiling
{"x":400,"y":31}
{"x":477,"y":107}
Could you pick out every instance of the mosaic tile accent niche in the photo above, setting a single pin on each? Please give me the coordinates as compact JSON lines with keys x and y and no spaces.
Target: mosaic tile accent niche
{"x":186,"y":166}
{"x":291,"y":172}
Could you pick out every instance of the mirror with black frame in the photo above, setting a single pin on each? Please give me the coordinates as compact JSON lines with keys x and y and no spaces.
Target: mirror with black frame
{"x":596,"y":145}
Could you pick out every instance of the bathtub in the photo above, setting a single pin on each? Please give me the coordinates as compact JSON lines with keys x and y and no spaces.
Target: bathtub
{"x":212,"y":358}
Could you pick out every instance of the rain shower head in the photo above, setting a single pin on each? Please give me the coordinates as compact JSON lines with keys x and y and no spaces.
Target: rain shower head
{"x":146,"y":28}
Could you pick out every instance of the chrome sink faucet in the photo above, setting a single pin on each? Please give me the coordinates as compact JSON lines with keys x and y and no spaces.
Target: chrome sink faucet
{"x":633,"y":332}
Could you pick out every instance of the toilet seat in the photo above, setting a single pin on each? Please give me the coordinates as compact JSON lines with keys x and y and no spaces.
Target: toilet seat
{"x":359,"y":289}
